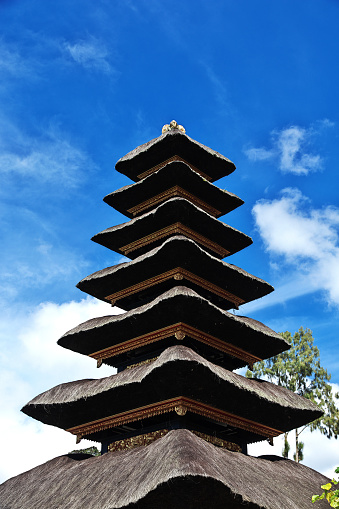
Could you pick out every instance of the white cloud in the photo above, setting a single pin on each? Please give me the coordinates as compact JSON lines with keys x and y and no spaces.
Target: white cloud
{"x":47,"y":323}
{"x":290,"y":149}
{"x":32,"y":362}
{"x":290,"y":143}
{"x":305,"y":239}
{"x":91,"y":54}
{"x":320,"y":453}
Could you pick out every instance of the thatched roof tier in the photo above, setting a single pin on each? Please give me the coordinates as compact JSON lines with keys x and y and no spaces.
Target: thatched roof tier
{"x":175,"y":216}
{"x":179,"y":470}
{"x":139,"y":281}
{"x":146,"y":158}
{"x":176,"y":179}
{"x":91,"y":407}
{"x":223,"y":338}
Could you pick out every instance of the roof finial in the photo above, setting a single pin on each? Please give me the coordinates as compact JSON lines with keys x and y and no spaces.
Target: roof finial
{"x":173,"y":125}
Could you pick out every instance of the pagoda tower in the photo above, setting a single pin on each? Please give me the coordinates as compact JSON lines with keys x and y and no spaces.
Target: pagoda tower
{"x":175,"y":421}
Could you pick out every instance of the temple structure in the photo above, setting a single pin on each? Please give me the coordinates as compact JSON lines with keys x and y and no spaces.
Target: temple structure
{"x":175,"y":421}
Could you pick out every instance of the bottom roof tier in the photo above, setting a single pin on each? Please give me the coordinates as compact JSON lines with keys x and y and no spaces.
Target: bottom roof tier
{"x":179,"y":470}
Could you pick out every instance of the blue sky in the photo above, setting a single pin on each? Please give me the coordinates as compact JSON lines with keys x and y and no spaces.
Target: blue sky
{"x":83,"y":83}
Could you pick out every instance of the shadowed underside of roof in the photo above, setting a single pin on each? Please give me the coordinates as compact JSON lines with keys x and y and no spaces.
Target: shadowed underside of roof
{"x":179,"y":470}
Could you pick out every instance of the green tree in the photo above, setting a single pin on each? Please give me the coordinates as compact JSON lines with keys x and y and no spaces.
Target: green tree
{"x":300,"y":371}
{"x":299,"y":454}
{"x":287,"y":447}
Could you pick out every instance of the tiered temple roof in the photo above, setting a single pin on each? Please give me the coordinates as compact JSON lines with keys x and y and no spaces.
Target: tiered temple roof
{"x":177,"y":259}
{"x":244,"y":410}
{"x":174,"y":423}
{"x":176,"y":216}
{"x":176,"y":179}
{"x":178,"y":316}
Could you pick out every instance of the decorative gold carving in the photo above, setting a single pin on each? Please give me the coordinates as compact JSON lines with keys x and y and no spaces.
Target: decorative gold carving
{"x":218,"y":344}
{"x":137,"y":342}
{"x":99,"y":363}
{"x":231,"y":446}
{"x":170,"y":160}
{"x":142,"y":363}
{"x":177,"y":273}
{"x":180,"y":410}
{"x":137,"y":441}
{"x":180,"y":335}
{"x":147,"y":438}
{"x":178,"y":277}
{"x":180,"y":330}
{"x":172,"y":126}
{"x":169,"y":405}
{"x":171,"y":193}
{"x":174,"y":229}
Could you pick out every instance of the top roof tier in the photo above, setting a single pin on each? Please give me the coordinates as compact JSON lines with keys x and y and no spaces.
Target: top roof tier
{"x":174,"y":145}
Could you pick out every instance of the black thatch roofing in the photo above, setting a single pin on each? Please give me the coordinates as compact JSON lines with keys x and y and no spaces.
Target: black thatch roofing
{"x":174,"y":142}
{"x":179,"y":304}
{"x":179,"y":470}
{"x":177,"y":372}
{"x":174,"y":252}
{"x":145,"y":232}
{"x":161,"y":184}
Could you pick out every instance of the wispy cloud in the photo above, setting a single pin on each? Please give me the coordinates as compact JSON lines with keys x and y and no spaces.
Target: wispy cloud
{"x":303,"y":239}
{"x":35,"y":265}
{"x":11,"y":62}
{"x":90,"y":54}
{"x":292,"y":285}
{"x":49,"y":157}
{"x":219,"y":86}
{"x":290,"y":147}
{"x":260,"y":154}
{"x":36,"y":170}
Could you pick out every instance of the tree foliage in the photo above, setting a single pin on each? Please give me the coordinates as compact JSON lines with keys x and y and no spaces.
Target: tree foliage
{"x":329,"y":494}
{"x":287,"y":447}
{"x":300,"y":371}
{"x":90,"y":450}
{"x":299,"y":453}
